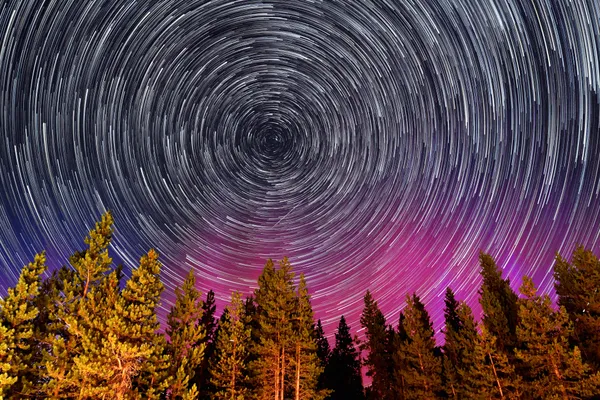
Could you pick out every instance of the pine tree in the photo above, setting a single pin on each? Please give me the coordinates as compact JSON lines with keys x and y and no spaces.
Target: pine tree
{"x":18,"y":312}
{"x":323,"y":349}
{"x":306,"y":364}
{"x":209,"y":323}
{"x":228,"y":368}
{"x":276,"y":302}
{"x":452,"y":350}
{"x":577,"y":288}
{"x":123,"y":356}
{"x":376,"y":344}
{"x":399,"y":359}
{"x":471,"y":380}
{"x":323,"y":353}
{"x":88,"y":268}
{"x":186,"y":335}
{"x":343,"y":369}
{"x":499,"y":304}
{"x":553,"y":369}
{"x":423,"y":367}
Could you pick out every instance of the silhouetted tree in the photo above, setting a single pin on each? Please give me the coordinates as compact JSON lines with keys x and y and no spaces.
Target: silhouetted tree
{"x":343,"y":370}
{"x":376,"y":345}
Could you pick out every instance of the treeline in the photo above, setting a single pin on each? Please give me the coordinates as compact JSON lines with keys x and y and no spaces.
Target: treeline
{"x":86,"y":332}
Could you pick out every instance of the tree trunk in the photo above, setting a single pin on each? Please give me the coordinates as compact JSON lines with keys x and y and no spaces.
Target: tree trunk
{"x":233,"y":373}
{"x":560,"y":379}
{"x":277,"y":368}
{"x":298,"y":371}
{"x":496,"y":376}
{"x":282,"y":390}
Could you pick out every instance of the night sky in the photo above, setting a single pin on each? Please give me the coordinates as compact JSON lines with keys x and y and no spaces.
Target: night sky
{"x":379,"y":144}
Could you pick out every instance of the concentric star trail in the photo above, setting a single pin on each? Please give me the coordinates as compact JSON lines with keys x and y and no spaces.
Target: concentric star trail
{"x":378,"y":144}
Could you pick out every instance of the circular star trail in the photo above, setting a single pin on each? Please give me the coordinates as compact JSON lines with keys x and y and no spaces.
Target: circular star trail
{"x":378,"y":144}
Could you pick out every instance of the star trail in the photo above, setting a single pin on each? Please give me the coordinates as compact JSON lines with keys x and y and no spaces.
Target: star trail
{"x":378,"y":144}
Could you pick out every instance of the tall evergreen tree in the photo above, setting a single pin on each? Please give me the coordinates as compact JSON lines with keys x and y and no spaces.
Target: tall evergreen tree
{"x":209,"y":323}
{"x":323,"y":353}
{"x":343,"y":370}
{"x":228,"y":367}
{"x":306,"y":364}
{"x":88,"y":268}
{"x":470,"y":379}
{"x":376,"y":344}
{"x":577,"y":286}
{"x":276,"y":302}
{"x":499,"y":304}
{"x":123,"y":356}
{"x":323,"y":349}
{"x":452,"y":350}
{"x":399,"y":359}
{"x":18,"y":312}
{"x":554,"y":370}
{"x":186,"y":335}
{"x":423,"y":367}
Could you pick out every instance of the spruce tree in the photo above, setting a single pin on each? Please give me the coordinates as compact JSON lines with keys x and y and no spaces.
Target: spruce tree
{"x":554,"y":370}
{"x":323,"y":349}
{"x":18,"y":313}
{"x":577,"y":285}
{"x":376,"y":344}
{"x":306,"y":364}
{"x":423,"y":367}
{"x":471,"y":380}
{"x":343,"y":369}
{"x":228,"y":367}
{"x":209,"y":323}
{"x":276,"y":303}
{"x":399,"y":359}
{"x":452,"y":333}
{"x":186,"y":335}
{"x":499,"y":304}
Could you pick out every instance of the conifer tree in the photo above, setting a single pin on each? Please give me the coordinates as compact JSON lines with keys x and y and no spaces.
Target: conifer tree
{"x":577,"y":285}
{"x":186,"y":335}
{"x":553,"y":369}
{"x":323,"y":349}
{"x":499,"y":304}
{"x":452,"y":333}
{"x":88,"y":268}
{"x":471,"y":379}
{"x":343,"y":369}
{"x":276,"y":302}
{"x":376,"y":344}
{"x":323,"y":353}
{"x":228,"y":367}
{"x":399,"y":359}
{"x":423,"y":367}
{"x":123,"y":356}
{"x":306,"y":364}
{"x":18,"y":312}
{"x":209,"y":323}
